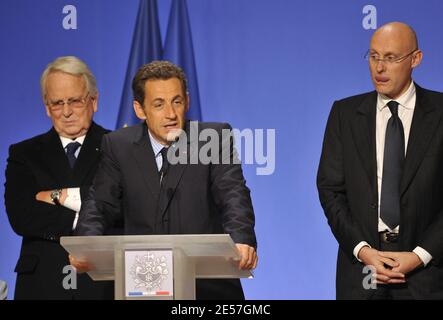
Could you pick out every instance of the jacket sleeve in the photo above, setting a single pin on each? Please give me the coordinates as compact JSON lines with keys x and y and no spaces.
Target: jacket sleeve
{"x":231,"y":194}
{"x":331,"y":186}
{"x":102,"y":207}
{"x":28,"y":216}
{"x":432,"y":239}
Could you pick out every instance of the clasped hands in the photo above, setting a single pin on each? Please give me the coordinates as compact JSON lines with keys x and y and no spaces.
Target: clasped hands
{"x":390,"y":267}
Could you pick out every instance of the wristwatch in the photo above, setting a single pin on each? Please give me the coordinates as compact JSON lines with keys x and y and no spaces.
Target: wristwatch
{"x":55,"y":196}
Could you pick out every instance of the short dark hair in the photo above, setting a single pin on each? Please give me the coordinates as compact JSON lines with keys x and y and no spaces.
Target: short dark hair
{"x":156,"y":70}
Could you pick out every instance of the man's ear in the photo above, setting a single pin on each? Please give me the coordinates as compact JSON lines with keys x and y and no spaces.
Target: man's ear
{"x":139,"y":111}
{"x":416,"y":59}
{"x":187,"y":102}
{"x":95,"y":102}
{"x":48,"y":113}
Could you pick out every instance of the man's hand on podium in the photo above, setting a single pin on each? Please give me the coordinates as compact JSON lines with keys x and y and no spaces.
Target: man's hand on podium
{"x":80,"y":266}
{"x":249,"y":257}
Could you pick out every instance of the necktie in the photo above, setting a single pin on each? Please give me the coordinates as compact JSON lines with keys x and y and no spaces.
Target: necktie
{"x":71,"y":148}
{"x":394,"y":156}
{"x":165,"y":163}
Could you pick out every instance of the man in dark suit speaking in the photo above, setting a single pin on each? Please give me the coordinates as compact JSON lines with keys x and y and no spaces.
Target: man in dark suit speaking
{"x":380,"y":178}
{"x":137,"y":179}
{"x":48,"y":176}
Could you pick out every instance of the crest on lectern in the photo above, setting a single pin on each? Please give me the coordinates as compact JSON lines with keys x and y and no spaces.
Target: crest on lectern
{"x":149,"y":273}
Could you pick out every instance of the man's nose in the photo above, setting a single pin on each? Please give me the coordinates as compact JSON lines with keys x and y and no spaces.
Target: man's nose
{"x":67,"y":110}
{"x":380,"y":66}
{"x":170,"y":112}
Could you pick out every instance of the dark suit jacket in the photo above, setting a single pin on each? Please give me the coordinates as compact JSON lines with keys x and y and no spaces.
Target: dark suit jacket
{"x":38,"y":164}
{"x":195,"y":198}
{"x":347,"y":185}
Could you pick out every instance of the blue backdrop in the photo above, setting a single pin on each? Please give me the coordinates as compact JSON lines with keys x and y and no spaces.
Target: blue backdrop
{"x":261,"y":64}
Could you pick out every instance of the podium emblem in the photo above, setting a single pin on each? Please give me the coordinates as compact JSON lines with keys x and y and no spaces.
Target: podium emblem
{"x":149,"y":273}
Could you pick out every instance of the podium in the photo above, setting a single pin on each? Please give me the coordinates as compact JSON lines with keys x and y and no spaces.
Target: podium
{"x":206,"y":256}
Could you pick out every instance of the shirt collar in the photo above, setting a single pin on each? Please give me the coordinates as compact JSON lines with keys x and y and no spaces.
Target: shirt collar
{"x":405,"y":100}
{"x":156,"y":146}
{"x":65,"y":141}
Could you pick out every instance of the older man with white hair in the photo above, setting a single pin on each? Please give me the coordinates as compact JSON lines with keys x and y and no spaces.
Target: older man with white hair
{"x":48,"y":176}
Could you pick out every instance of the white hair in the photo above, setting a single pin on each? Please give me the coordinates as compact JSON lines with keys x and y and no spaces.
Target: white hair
{"x":73,"y":66}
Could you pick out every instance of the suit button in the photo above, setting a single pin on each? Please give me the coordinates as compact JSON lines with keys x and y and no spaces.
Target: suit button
{"x":374,"y":206}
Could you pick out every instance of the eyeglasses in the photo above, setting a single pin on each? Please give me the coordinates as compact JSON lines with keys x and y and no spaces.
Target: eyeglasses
{"x":75,"y":103}
{"x":390,"y":59}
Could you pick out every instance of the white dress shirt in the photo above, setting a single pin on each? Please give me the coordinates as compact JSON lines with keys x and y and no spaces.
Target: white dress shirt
{"x":73,"y":200}
{"x":405,"y":113}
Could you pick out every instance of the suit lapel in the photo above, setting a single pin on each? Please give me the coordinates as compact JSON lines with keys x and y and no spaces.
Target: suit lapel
{"x":363,"y":129}
{"x":53,"y":155}
{"x":424,"y":124}
{"x":145,"y":159}
{"x":89,"y":154}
